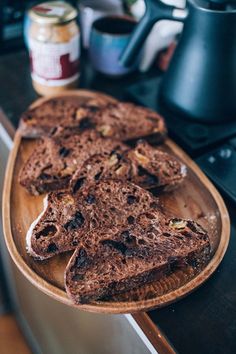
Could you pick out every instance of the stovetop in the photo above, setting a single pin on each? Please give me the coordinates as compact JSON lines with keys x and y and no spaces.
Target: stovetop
{"x":213,"y":147}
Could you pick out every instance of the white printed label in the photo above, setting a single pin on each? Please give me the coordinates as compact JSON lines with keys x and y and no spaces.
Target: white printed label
{"x":54,"y":62}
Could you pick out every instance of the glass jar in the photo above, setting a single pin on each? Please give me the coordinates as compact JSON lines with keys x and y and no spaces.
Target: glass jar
{"x":54,"y":47}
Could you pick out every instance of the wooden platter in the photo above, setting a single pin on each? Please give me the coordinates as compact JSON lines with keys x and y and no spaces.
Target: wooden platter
{"x":196,"y":199}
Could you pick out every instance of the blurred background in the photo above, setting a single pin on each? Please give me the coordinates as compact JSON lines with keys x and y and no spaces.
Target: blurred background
{"x":14,"y":23}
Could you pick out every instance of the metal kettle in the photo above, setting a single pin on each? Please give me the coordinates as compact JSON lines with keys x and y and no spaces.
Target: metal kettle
{"x":200,"y":83}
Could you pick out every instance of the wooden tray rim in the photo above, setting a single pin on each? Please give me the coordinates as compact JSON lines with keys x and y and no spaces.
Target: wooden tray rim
{"x":113,"y":307}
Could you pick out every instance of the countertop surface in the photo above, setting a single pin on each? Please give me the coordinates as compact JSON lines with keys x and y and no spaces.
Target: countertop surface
{"x":203,"y":322}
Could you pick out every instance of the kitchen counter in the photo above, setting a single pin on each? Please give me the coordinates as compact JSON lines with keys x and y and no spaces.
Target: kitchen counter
{"x":203,"y":322}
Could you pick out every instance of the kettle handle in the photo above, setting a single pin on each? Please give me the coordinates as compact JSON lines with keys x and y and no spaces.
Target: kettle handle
{"x":155,"y":10}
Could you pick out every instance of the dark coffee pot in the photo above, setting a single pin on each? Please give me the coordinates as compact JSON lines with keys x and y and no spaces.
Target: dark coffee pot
{"x":201,"y":80}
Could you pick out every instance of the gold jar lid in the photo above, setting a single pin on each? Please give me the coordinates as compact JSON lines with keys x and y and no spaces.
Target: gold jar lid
{"x":53,"y":12}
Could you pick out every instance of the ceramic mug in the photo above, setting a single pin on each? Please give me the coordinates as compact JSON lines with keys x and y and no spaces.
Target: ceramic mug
{"x":91,"y":10}
{"x":108,"y":39}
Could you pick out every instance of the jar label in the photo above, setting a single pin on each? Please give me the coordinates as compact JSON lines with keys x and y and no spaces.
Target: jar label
{"x":54,"y":64}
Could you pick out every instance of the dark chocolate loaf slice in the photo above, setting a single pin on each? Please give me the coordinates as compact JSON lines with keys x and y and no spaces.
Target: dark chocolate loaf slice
{"x":59,"y":116}
{"x":123,"y":121}
{"x":66,"y":218}
{"x":54,"y":161}
{"x":124,"y":259}
{"x":156,"y":168}
{"x":112,"y":165}
{"x":126,"y":121}
{"x":144,"y":165}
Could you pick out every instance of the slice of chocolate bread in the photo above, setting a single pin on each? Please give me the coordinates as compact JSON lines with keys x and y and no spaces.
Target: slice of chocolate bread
{"x":59,"y":115}
{"x":144,"y":165}
{"x":156,"y":168}
{"x":124,"y":259}
{"x":53,"y":162}
{"x":112,"y":165}
{"x":123,"y":121}
{"x":67,"y":218}
{"x":126,"y":121}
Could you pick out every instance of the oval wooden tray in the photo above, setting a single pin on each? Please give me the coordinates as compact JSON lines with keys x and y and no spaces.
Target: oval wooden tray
{"x":196,"y":199}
